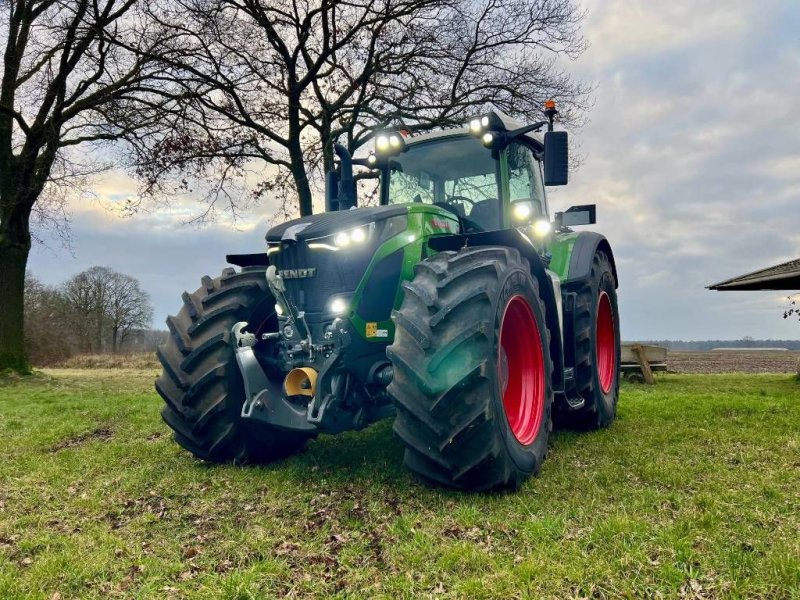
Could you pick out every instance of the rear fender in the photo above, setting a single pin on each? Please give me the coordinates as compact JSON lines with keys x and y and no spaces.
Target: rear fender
{"x":514,"y":239}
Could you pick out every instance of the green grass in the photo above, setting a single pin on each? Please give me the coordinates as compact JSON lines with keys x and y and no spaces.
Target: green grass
{"x":693,"y":492}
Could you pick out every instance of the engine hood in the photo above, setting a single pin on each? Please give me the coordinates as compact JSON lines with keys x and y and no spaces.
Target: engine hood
{"x":323,"y":224}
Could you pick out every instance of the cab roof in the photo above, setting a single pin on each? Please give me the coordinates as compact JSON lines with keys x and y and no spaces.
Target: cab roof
{"x":509,"y":124}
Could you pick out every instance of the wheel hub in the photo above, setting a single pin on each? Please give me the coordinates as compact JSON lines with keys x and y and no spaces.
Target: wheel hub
{"x":605,"y":343}
{"x":520,"y":367}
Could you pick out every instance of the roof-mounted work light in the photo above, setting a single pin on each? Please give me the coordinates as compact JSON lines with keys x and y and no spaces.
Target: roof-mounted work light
{"x":389,"y":143}
{"x":493,"y":133}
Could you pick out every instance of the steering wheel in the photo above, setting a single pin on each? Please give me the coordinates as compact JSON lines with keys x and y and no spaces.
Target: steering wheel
{"x":462,"y":200}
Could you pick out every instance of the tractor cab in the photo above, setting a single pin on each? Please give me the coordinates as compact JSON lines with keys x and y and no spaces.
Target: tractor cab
{"x":486,"y":190}
{"x":488,"y":174}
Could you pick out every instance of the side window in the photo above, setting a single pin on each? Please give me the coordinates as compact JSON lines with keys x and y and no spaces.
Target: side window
{"x":525,"y":177}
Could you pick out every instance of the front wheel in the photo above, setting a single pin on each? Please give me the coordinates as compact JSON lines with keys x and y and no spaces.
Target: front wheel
{"x":472,"y":370}
{"x":201,"y":384}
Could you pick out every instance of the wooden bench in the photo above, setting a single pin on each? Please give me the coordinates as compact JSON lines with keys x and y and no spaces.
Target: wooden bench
{"x":638,"y":362}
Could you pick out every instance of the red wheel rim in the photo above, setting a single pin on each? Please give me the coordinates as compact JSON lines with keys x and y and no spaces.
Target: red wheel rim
{"x":520,"y":369}
{"x":605,"y":343}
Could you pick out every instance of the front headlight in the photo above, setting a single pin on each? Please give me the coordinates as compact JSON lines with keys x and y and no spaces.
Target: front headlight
{"x":353,"y":237}
{"x":338,"y":305}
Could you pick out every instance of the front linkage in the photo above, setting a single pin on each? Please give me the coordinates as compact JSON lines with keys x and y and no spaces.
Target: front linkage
{"x":316,"y":395}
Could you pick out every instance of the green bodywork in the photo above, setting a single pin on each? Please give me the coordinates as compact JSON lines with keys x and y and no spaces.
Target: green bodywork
{"x":561,"y":247}
{"x":424,"y":221}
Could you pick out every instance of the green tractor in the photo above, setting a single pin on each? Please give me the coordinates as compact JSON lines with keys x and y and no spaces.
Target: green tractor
{"x":456,"y":305}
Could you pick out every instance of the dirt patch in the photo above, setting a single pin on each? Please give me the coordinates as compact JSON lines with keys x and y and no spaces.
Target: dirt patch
{"x":102,"y":434}
{"x":733,"y":361}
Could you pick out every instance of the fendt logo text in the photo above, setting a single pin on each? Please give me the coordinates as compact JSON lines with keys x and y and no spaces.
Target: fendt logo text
{"x":298,"y":273}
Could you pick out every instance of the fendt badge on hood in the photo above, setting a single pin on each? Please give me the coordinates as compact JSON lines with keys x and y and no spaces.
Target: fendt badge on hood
{"x":298,"y":273}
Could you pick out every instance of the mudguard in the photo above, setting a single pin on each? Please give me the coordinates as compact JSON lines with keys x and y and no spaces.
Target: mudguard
{"x":513,"y":238}
{"x":248,"y":260}
{"x":583,"y":251}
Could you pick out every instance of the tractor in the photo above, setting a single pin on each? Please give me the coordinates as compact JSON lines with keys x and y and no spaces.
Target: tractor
{"x":455,"y":305}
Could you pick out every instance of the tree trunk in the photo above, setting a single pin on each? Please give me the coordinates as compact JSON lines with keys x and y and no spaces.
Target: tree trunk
{"x":297,"y":160}
{"x":13,"y":258}
{"x":298,"y":169}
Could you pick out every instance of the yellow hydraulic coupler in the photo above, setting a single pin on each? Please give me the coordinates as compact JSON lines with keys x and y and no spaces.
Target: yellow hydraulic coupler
{"x":301,"y":382}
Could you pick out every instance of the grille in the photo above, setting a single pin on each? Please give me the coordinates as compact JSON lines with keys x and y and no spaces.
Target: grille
{"x":336,"y":273}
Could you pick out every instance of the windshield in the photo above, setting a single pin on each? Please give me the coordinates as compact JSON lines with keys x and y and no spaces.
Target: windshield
{"x":458,"y":174}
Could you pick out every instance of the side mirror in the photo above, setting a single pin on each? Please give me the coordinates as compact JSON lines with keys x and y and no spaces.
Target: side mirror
{"x":585,"y":214}
{"x":556,"y":158}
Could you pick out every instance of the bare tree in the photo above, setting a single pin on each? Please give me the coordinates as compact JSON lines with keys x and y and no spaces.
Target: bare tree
{"x":276,"y":83}
{"x":107,"y":306}
{"x":49,"y":336}
{"x":74,"y":74}
{"x":128,"y":308}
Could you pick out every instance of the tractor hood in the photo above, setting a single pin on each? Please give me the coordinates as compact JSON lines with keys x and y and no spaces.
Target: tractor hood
{"x":324,"y":224}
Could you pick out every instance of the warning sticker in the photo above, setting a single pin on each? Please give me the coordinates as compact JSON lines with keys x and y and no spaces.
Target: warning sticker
{"x":382,"y":333}
{"x":372,"y":330}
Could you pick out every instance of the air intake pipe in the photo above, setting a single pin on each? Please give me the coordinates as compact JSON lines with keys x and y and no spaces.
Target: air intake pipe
{"x":347,"y":185}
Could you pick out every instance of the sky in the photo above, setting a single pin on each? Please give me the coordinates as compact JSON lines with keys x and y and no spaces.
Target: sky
{"x":691,"y":152}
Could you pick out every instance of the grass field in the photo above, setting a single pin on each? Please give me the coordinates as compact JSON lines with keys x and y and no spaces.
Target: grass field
{"x":693,"y":492}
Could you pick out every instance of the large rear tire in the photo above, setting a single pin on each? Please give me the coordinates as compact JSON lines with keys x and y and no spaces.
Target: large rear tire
{"x":597,"y":348}
{"x":472,"y":373}
{"x":201,"y":383}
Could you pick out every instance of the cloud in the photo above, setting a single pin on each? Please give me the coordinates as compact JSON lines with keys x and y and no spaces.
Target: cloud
{"x":692,"y":159}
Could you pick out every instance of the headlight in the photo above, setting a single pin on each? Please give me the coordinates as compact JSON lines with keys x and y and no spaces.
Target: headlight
{"x":342,"y":239}
{"x":522,"y":211}
{"x":348,"y":238}
{"x":357,"y":235}
{"x":541,"y":228}
{"x":278,"y":309}
{"x":338,"y":306}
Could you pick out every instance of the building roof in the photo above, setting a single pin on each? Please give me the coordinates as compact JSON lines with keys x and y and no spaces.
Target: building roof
{"x":785,"y":276}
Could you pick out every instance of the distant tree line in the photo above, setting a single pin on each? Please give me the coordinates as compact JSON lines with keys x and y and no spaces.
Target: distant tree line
{"x":706,"y":345}
{"x":96,"y":311}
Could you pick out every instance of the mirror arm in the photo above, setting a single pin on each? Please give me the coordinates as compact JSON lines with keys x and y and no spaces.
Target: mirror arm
{"x":523,"y":130}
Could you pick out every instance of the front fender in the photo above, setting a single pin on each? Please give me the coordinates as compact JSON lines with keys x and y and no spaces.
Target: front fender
{"x":584,"y":247}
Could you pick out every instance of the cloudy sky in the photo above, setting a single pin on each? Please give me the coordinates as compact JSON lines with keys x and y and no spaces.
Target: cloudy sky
{"x":692,"y":154}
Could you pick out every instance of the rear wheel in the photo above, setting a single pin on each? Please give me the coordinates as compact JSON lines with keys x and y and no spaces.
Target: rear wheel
{"x":201,"y":383}
{"x":597,"y":347}
{"x":472,"y":374}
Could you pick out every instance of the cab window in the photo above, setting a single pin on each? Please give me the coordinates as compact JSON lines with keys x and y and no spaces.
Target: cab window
{"x":525,"y":178}
{"x":457,"y":173}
